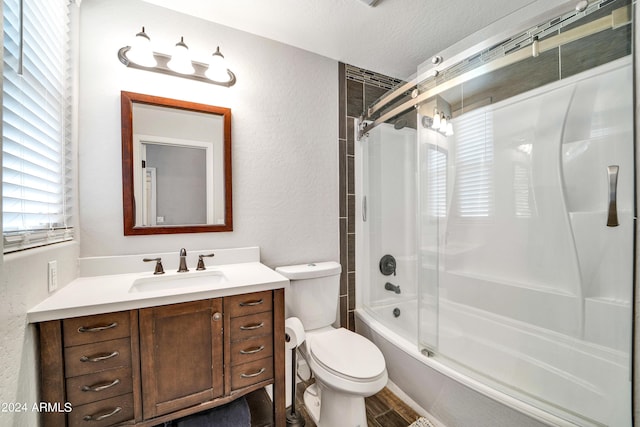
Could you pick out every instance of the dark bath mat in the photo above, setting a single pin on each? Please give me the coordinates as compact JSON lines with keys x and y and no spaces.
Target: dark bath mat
{"x":233,"y":414}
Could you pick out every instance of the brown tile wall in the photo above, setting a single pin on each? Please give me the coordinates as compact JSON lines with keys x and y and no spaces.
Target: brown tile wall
{"x":359,"y":89}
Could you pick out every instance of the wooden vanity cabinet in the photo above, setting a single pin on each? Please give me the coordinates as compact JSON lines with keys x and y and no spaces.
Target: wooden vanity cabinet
{"x":152,"y":365}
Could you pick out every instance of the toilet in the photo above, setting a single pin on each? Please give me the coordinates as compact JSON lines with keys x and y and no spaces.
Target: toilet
{"x":347,"y":366}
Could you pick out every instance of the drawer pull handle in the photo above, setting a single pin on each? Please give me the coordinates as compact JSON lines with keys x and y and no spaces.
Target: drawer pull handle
{"x":82,"y":329}
{"x":252,"y":303}
{"x":252,"y":327}
{"x":100,"y":387}
{"x":103,"y":416}
{"x":99,"y":358}
{"x":253,"y":350}
{"x":255,"y":374}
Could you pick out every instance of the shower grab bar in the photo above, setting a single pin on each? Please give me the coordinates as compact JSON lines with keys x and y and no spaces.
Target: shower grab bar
{"x":612,"y":218}
{"x":617,"y":18}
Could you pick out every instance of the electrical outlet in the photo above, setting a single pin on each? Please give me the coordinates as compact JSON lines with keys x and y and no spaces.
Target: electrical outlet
{"x":53,"y":275}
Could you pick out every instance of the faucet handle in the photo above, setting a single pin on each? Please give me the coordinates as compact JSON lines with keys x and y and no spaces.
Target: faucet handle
{"x":201,"y":262}
{"x":158,"y":269}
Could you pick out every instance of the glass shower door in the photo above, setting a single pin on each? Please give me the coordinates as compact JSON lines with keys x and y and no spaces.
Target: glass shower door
{"x":526,"y":226}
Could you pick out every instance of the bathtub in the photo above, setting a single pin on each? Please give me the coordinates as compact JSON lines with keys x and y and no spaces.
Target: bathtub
{"x":441,"y":389}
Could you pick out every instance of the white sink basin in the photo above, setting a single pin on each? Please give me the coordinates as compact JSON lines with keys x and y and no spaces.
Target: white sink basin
{"x":187,"y":281}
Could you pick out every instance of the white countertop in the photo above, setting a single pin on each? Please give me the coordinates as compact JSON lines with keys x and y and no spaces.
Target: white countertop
{"x":109,"y":293}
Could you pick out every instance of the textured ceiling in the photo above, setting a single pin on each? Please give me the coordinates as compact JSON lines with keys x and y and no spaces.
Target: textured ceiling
{"x":392,"y":38}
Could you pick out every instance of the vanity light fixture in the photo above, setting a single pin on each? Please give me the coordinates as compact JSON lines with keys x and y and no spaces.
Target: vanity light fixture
{"x":141,"y":56}
{"x":441,"y":123}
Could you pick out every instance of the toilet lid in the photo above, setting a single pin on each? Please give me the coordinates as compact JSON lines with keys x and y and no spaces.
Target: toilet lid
{"x":347,"y":353}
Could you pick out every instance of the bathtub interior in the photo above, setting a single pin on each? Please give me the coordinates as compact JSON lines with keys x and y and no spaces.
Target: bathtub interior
{"x":507,"y":268}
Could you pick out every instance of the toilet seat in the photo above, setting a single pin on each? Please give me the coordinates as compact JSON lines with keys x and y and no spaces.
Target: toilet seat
{"x":347,"y":355}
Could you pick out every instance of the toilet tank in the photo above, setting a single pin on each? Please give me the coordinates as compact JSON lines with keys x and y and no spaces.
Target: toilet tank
{"x":314,"y":293}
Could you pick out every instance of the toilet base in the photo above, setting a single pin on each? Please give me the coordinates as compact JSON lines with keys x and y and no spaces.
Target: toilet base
{"x":331,"y":408}
{"x":312,"y":402}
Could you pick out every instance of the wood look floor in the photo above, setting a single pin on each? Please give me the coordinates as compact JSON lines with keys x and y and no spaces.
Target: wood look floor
{"x":384,"y":409}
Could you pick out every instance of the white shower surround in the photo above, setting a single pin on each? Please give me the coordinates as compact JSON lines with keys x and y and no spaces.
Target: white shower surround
{"x":603,"y":308}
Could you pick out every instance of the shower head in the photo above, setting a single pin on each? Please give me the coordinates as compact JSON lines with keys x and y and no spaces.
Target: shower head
{"x":400,"y":123}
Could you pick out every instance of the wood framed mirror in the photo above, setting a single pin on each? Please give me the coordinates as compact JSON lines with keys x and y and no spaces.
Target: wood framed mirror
{"x":176,"y":166}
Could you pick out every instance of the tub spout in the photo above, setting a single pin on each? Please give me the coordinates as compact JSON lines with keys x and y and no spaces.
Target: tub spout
{"x":391,"y":287}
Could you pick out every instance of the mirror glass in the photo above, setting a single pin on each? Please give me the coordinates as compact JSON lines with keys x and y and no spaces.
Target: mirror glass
{"x":176,"y":166}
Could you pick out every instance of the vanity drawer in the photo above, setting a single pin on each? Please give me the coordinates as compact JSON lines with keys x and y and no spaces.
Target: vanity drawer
{"x":251,"y":326}
{"x":251,"y":349}
{"x":101,"y":327}
{"x":242,"y":305}
{"x":102,"y":413}
{"x":101,"y":385}
{"x":251,"y":373}
{"x":90,"y":358}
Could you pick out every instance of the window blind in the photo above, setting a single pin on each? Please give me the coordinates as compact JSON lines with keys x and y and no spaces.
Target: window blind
{"x":437,"y":182}
{"x":474,"y":165}
{"x":36,"y":108}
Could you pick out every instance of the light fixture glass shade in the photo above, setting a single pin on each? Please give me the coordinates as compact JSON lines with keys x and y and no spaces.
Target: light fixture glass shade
{"x":180,"y":60}
{"x":217,"y":70}
{"x":141,"y":52}
{"x":436,"y":120}
{"x":449,"y":131}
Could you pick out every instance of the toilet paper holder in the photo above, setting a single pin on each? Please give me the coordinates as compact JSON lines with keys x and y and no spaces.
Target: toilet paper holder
{"x":294,"y":336}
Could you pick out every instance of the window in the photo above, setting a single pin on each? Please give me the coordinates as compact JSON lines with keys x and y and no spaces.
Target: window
{"x":474,"y":163}
{"x":437,"y":182}
{"x":36,"y":115}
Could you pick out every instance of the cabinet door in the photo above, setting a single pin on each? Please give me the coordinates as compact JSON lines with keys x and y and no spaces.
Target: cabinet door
{"x":181,"y":355}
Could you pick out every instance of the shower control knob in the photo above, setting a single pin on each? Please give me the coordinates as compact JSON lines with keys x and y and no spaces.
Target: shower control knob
{"x":388,"y":265}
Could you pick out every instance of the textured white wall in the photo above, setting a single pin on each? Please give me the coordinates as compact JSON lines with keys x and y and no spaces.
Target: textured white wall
{"x":285,"y":168}
{"x":284,"y":134}
{"x":23,"y":285}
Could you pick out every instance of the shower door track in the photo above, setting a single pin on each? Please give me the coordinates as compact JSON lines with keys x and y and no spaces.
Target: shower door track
{"x":617,"y":18}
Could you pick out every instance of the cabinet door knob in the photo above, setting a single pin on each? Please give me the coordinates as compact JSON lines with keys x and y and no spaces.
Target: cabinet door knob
{"x":217,"y":316}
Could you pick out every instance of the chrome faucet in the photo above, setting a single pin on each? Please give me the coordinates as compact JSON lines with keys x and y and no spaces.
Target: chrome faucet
{"x":391,"y":287}
{"x":183,"y":261}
